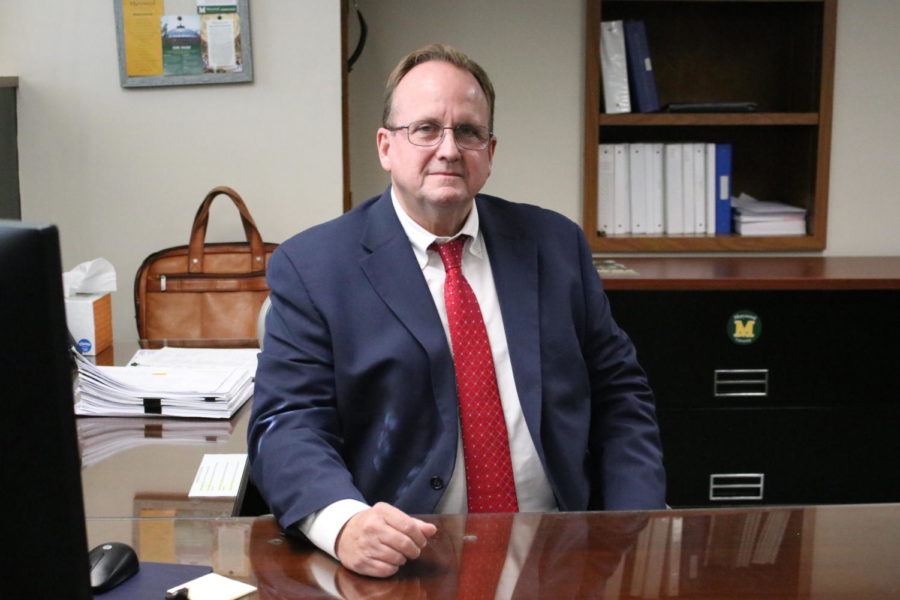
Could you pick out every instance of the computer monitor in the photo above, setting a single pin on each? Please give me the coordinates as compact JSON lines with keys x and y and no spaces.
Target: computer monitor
{"x":41,"y":505}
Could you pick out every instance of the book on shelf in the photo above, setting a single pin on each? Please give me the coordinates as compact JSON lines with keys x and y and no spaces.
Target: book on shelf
{"x":614,"y":68}
{"x":606,"y":181}
{"x":622,"y":188}
{"x":641,"y":78}
{"x":674,"y":198}
{"x":171,"y":382}
{"x":756,"y":217}
{"x":723,"y":189}
{"x":710,"y":203}
{"x":637,"y":178}
{"x":655,"y":189}
{"x":699,"y":151}
{"x":788,"y":225}
{"x":687,"y":188}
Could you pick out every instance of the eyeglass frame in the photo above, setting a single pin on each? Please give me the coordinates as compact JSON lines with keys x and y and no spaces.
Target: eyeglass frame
{"x":487,"y":142}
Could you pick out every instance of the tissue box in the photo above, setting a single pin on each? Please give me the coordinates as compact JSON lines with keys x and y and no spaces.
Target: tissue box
{"x":90,"y":321}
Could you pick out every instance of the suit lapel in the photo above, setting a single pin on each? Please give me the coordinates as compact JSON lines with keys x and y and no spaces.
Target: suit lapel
{"x":395,"y":275}
{"x":514,"y":263}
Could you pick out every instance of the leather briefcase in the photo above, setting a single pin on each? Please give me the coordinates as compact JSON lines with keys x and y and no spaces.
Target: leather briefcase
{"x":204,"y":291}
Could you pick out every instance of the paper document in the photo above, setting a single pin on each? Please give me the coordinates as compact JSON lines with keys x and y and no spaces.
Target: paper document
{"x":746,"y":203}
{"x":219,"y":476}
{"x":215,"y":587}
{"x":196,"y":357}
{"x":187,"y":390}
{"x":754,"y":217}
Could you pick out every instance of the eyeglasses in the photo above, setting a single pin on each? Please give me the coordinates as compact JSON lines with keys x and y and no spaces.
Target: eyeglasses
{"x":431,"y":133}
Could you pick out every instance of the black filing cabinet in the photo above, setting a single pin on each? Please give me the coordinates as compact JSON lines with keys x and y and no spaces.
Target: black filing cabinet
{"x":786,"y":394}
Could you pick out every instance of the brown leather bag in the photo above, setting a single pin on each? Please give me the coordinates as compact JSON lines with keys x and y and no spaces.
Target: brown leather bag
{"x":208,"y":291}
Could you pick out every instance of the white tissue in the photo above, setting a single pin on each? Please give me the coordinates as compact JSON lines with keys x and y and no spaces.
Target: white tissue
{"x":96,"y":276}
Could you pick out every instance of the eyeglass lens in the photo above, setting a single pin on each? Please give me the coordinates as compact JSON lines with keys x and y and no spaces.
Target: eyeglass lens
{"x":429,"y":133}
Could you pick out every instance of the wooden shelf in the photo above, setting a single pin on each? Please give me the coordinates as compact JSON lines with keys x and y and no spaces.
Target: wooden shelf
{"x":697,"y":119}
{"x":778,"y":54}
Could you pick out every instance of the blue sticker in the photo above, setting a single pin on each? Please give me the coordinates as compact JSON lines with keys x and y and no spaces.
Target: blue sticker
{"x":84,"y":345}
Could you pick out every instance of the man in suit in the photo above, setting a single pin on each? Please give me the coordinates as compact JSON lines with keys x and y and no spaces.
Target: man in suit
{"x":367,"y":405}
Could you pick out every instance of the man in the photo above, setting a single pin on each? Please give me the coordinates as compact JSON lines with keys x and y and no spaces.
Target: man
{"x":361,"y":417}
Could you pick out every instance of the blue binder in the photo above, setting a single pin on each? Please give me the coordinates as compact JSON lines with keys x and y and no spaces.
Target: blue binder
{"x":723,"y":189}
{"x":641,"y":79}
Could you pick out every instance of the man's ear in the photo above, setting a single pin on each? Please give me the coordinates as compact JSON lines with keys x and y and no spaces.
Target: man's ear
{"x":492,"y":147}
{"x":383,"y":140}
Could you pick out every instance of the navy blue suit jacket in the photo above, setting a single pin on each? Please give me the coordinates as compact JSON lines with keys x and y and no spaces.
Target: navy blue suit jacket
{"x":355,"y":394}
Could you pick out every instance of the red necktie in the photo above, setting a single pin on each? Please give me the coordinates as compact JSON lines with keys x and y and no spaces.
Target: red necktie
{"x":489,"y":478}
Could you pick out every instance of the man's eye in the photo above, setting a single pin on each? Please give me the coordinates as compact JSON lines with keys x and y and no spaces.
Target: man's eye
{"x":467,"y":130}
{"x":425,"y":128}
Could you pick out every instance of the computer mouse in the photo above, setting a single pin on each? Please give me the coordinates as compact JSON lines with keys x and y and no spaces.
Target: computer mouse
{"x":111,"y":564}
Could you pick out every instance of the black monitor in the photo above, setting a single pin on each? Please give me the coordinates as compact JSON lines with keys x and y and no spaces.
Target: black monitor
{"x":41,"y":505}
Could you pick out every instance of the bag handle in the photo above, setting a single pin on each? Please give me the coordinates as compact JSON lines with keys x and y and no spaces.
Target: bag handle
{"x":201,"y":220}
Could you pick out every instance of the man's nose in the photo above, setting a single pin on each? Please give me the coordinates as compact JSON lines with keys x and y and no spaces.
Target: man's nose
{"x":447,"y":147}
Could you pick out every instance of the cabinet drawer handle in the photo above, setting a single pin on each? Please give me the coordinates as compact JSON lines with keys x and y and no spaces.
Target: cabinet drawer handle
{"x":740,"y":382}
{"x":736,"y":486}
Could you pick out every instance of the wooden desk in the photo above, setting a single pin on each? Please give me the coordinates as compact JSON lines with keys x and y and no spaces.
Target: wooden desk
{"x":814,"y":552}
{"x":134,"y":466}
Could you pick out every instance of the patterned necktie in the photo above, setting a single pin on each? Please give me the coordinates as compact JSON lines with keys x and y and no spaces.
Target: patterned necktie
{"x":489,"y":478}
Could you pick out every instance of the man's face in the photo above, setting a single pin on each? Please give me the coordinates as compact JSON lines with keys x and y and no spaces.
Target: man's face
{"x":436,"y":183}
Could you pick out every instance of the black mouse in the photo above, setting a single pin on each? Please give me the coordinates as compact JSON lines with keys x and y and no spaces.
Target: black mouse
{"x":111,"y":564}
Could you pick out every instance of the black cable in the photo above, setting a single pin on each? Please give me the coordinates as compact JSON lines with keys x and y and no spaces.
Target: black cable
{"x":361,"y":43}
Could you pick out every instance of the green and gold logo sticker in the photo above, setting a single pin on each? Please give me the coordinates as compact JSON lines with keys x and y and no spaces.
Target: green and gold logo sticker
{"x":744,"y":327}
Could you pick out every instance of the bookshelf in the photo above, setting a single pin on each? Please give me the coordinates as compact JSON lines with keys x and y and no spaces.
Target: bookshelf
{"x":776,"y":53}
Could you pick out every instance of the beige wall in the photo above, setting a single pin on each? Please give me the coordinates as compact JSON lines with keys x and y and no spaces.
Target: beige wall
{"x":122,"y":171}
{"x":534,"y":54}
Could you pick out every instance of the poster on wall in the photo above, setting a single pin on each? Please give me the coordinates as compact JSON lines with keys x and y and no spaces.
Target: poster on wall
{"x":183,"y":42}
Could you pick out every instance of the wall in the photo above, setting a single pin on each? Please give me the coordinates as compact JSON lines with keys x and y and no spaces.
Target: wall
{"x":864,"y":206}
{"x":534,"y":54}
{"x":122,"y":171}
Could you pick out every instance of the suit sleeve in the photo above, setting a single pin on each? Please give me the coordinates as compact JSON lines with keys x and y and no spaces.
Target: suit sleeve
{"x":626,"y":453}
{"x":294,"y":440}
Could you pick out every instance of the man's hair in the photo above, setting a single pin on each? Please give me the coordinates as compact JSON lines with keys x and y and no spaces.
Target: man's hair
{"x":443,"y":53}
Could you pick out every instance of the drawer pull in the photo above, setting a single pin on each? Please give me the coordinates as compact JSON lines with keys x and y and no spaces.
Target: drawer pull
{"x":740,"y":383}
{"x":736,"y":486}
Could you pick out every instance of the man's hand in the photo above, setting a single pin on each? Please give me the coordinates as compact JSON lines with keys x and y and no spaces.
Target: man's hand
{"x":377,"y":541}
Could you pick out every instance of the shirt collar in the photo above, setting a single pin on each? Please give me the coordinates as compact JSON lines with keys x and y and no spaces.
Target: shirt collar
{"x":420,"y":238}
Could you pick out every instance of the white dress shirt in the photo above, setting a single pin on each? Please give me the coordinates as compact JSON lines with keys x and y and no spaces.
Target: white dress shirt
{"x":533,"y":490}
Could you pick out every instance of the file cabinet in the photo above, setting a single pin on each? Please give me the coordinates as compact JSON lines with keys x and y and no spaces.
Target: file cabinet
{"x":776,"y":379}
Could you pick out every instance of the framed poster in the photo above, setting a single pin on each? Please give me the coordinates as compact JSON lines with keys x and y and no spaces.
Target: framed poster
{"x":183,"y":42}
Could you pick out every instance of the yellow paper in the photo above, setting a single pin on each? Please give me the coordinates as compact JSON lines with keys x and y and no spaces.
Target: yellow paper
{"x":143,"y":43}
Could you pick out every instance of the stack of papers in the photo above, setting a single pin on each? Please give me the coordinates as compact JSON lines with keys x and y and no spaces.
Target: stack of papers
{"x":754,"y":217}
{"x":171,"y":382}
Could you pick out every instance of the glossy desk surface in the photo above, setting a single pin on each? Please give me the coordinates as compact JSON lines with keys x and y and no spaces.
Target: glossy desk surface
{"x":821,"y":552}
{"x":136,"y":466}
{"x":751,"y":272}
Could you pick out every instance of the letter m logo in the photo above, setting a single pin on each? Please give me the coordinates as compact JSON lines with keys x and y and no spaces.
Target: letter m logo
{"x":744,"y":329}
